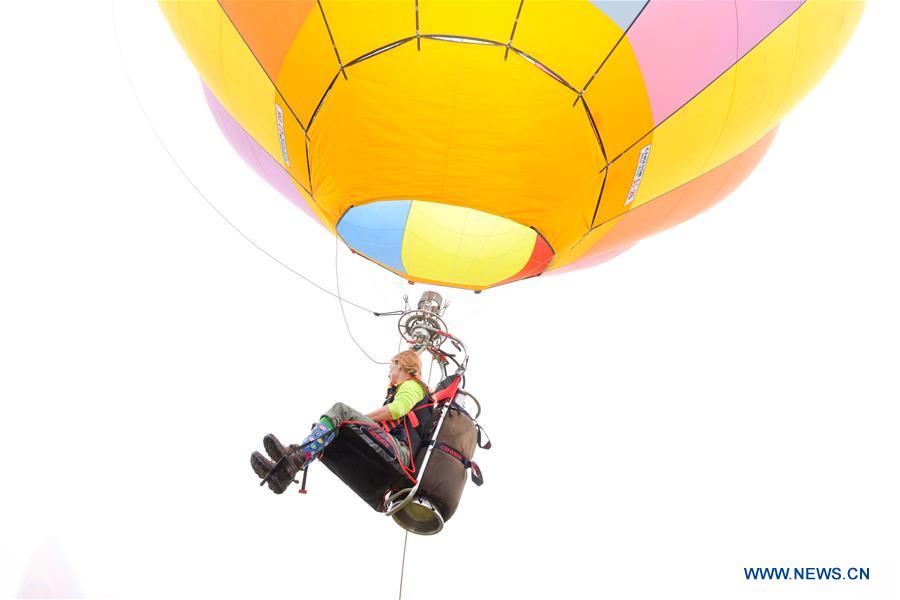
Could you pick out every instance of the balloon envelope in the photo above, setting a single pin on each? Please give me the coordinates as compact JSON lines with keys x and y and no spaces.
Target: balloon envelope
{"x":474,"y":143}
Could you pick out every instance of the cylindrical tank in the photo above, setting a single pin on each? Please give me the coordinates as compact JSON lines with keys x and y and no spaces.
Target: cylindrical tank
{"x":444,"y":478}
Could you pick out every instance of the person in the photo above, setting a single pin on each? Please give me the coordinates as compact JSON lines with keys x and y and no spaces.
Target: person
{"x":406,"y":390}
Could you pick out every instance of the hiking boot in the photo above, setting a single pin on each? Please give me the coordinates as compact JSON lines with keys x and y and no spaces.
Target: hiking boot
{"x":261,"y":465}
{"x":282,"y":472}
{"x":275,"y":449}
{"x":285,"y":471}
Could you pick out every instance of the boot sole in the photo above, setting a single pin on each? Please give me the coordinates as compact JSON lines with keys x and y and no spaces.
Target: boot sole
{"x":284,"y":475}
{"x":274,"y":448}
{"x":260,"y":464}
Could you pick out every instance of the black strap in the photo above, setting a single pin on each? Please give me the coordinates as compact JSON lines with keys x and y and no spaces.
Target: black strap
{"x":477,"y":477}
{"x":486,"y":446}
{"x":382,"y":438}
{"x":453,"y":452}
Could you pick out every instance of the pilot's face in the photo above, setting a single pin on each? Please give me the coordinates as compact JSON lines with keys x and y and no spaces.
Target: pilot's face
{"x":396,"y":372}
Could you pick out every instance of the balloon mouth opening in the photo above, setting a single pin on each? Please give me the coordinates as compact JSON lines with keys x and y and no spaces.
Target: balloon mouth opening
{"x":420,"y":517}
{"x":444,"y":244}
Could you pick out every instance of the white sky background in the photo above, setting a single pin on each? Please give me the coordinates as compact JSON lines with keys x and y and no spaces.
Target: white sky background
{"x":724,"y":395}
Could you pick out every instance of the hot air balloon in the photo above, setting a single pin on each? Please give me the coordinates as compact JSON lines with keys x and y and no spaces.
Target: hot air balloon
{"x":472,"y":143}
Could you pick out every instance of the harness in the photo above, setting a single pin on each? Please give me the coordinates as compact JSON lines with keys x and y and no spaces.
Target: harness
{"x":412,"y":428}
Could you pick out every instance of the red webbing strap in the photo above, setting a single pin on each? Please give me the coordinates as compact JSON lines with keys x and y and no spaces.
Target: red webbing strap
{"x":447,"y":393}
{"x":477,"y":478}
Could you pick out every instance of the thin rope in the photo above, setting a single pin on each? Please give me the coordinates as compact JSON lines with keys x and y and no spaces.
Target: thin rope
{"x":513,"y":33}
{"x":197,"y":189}
{"x":403,"y":565}
{"x":337,"y":285}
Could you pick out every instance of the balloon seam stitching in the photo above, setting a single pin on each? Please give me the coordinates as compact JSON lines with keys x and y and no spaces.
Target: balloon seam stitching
{"x":331,"y":37}
{"x":512,"y":34}
{"x":457,"y":39}
{"x":286,"y":103}
{"x":249,"y":49}
{"x":596,"y":131}
{"x":378,"y":51}
{"x":718,"y":77}
{"x":418,"y":39}
{"x":322,"y":100}
{"x":613,"y":49}
{"x":599,"y":198}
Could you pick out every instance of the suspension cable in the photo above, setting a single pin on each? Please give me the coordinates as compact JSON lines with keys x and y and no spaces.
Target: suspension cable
{"x":201,"y":194}
{"x":337,"y":284}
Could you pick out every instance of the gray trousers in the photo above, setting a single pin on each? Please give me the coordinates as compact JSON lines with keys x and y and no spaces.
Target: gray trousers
{"x":341,"y":412}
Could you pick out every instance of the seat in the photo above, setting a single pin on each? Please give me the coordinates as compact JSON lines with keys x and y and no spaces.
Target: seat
{"x":362,"y":456}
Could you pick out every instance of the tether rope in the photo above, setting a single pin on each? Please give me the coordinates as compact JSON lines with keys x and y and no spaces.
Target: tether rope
{"x":403,"y":565}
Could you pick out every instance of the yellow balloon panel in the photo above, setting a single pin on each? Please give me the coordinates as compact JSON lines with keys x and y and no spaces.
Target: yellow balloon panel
{"x":197,"y":25}
{"x":463,"y":246}
{"x":682,"y":145}
{"x":456,"y":123}
{"x":233,"y":74}
{"x":484,"y":19}
{"x":618,"y":101}
{"x":824,"y":31}
{"x":309,"y":67}
{"x":352,"y":24}
{"x":673,"y":207}
{"x":623,"y":180}
{"x":295,"y":145}
{"x":570,"y":38}
{"x":582,"y":246}
{"x":268,"y":27}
